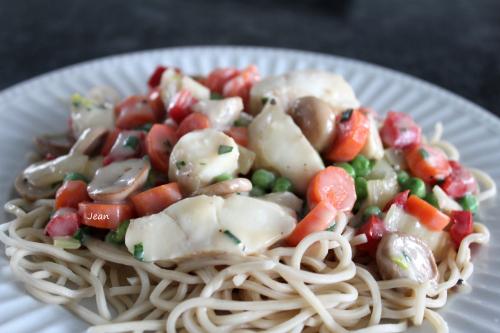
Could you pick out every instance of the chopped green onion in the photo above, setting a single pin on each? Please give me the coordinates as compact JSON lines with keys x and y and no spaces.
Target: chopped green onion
{"x":78,"y":100}
{"x":400,"y":261}
{"x":361,"y":166}
{"x":118,"y":236}
{"x":264,"y":100}
{"x":263,"y":179}
{"x":222,"y":177}
{"x":145,"y":127}
{"x":361,"y":186}
{"x":132,"y":142}
{"x":242,"y":122}
{"x":78,"y":235}
{"x":223,"y":149}
{"x":469,"y":203}
{"x":75,"y":176}
{"x":215,"y":95}
{"x":332,"y":227}
{"x":67,"y":242}
{"x":229,"y":234}
{"x":348,"y":168}
{"x":180,"y":164}
{"x":139,"y":252}
{"x":424,"y":153}
{"x":282,"y":184}
{"x":346,"y":115}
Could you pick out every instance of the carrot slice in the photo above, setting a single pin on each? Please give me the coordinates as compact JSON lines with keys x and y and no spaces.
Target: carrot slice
{"x":239,"y":134}
{"x":159,"y":143}
{"x":426,"y":213}
{"x":318,"y":219}
{"x":104,"y":216}
{"x":156,"y":199}
{"x":71,"y":193}
{"x":333,"y":185}
{"x":195,"y":121}
{"x":352,"y":132}
{"x":428,"y":163}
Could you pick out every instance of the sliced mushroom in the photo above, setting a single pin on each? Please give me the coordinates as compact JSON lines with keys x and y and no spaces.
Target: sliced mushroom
{"x":226,"y":187}
{"x":47,"y":173}
{"x":404,"y":256}
{"x":89,"y":140}
{"x":30,"y":192}
{"x":54,"y":144}
{"x":116,"y":181}
{"x":316,"y":119}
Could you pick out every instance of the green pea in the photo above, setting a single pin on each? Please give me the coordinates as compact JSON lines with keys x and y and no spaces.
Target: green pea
{"x":263,"y":179}
{"x":348,"y":168}
{"x":361,"y":166}
{"x":403,"y":177}
{"x":361,"y":188}
{"x":222,"y":177}
{"x":431,"y":198}
{"x":282,"y":184}
{"x":469,"y":202}
{"x":371,"y":210}
{"x":257,"y":192}
{"x":416,"y":187}
{"x":75,"y":176}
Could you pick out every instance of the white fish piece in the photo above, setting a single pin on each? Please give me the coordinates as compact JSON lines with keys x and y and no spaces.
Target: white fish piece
{"x":207,"y":225}
{"x":280,"y":145}
{"x":200,"y":156}
{"x":286,"y":88}
{"x":221,"y":113}
{"x":87,"y":113}
{"x":373,"y":148}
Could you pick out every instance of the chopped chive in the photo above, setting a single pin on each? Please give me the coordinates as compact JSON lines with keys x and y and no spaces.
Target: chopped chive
{"x":215,"y":95}
{"x":424,"y":153}
{"x":332,"y":227}
{"x":139,"y":252}
{"x":222,"y":177}
{"x":223,"y":149}
{"x":118,"y":236}
{"x":229,"y":234}
{"x":132,"y":142}
{"x":346,"y":115}
{"x":78,"y":235}
{"x":242,"y":122}
{"x":145,"y":127}
{"x":180,"y":164}
{"x":75,"y":176}
{"x":69,"y":243}
{"x":264,"y":100}
{"x":400,"y":261}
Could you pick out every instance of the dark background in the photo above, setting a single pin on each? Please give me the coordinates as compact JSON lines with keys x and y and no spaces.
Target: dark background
{"x":454,"y":44}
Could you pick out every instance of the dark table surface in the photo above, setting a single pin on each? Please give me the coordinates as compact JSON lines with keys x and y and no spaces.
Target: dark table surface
{"x":454,"y":44}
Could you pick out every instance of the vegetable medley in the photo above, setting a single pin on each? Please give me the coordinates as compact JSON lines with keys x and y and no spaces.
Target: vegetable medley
{"x":231,"y":163}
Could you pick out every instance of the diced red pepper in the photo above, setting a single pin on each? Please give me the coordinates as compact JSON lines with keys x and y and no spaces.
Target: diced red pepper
{"x":155,"y":78}
{"x":156,"y":103}
{"x":180,"y":106}
{"x":65,"y":222}
{"x":374,"y":229}
{"x":462,"y":226}
{"x":460,"y":182}
{"x":216,"y":80}
{"x":400,"y":131}
{"x":399,"y":199}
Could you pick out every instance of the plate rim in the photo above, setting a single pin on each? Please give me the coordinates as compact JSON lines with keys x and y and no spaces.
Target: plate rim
{"x":487,"y":118}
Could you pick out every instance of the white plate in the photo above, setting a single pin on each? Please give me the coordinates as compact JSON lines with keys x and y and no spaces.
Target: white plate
{"x":38,"y":105}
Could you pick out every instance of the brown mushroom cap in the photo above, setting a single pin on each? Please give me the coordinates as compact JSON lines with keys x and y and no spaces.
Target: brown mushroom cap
{"x":89,"y":141}
{"x":403,"y":256}
{"x":54,"y":144}
{"x":316,"y":119}
{"x":226,"y":187}
{"x":30,"y":192}
{"x":116,"y":181}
